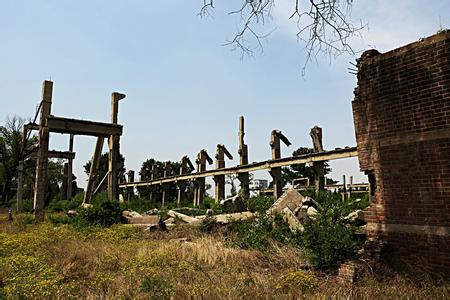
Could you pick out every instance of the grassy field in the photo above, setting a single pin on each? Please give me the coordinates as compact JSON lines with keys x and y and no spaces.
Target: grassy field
{"x":48,"y":261}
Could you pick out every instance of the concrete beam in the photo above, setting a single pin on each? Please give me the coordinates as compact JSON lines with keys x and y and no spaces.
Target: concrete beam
{"x":78,"y":127}
{"x":264,"y":165}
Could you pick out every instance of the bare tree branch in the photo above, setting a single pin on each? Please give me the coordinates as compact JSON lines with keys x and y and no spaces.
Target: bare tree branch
{"x":323,"y":26}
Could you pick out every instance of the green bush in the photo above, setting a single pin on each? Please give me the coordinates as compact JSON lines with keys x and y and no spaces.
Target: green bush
{"x":259,"y":232}
{"x":259,"y":203}
{"x":329,"y":239}
{"x":208,"y":224}
{"x":102,"y":213}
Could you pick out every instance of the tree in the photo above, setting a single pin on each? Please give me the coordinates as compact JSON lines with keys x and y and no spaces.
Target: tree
{"x":146,"y":174}
{"x":324,"y":26}
{"x":301,"y":170}
{"x":12,"y":151}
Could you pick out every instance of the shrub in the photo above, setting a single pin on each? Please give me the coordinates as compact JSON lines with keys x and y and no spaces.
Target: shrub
{"x":259,"y":203}
{"x":329,"y":239}
{"x":257,"y":233}
{"x":102,"y":213}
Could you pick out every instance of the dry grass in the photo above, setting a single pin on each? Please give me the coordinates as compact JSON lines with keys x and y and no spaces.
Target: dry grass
{"x":43,"y":261}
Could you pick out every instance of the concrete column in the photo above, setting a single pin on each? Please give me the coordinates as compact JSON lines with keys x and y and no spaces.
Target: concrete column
{"x":93,"y":172}
{"x":344,"y":188}
{"x":114,"y":150}
{"x":42,"y":154}
{"x":275,"y":144}
{"x":69,"y":170}
{"x":185,"y":167}
{"x":167,"y":170}
{"x":319,"y":167}
{"x":130,"y":190}
{"x":219,"y":193}
{"x":199,"y":193}
{"x":244,"y":178}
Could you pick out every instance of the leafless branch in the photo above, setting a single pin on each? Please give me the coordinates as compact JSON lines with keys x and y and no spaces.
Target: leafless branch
{"x":323,"y":26}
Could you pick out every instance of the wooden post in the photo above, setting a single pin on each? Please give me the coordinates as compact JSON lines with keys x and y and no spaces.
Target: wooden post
{"x":114,"y":150}
{"x":94,"y":167}
{"x":319,"y":167}
{"x":244,"y":178}
{"x":69,"y":170}
{"x":42,"y":154}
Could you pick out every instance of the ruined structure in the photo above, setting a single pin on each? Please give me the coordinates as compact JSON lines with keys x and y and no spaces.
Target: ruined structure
{"x":52,"y":124}
{"x":402,"y":123}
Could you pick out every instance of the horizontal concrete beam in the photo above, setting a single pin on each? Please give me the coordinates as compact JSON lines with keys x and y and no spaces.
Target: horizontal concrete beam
{"x":265,"y":165}
{"x":79,"y":127}
{"x":57,"y":154}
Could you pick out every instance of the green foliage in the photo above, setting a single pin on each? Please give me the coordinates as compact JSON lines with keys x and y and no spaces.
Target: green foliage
{"x":329,"y":239}
{"x":102,"y":213}
{"x":259,"y":232}
{"x":103,"y":167}
{"x":156,"y":287}
{"x":259,"y":203}
{"x":64,"y":205}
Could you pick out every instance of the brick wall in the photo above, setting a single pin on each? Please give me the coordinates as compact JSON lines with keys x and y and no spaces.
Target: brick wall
{"x":402,"y":124}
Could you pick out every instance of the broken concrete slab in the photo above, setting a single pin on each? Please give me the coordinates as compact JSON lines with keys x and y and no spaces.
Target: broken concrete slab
{"x":311,"y":202}
{"x":291,"y":220}
{"x":240,"y":216}
{"x":356,"y":217}
{"x":235,"y":203}
{"x":184,"y":218}
{"x":291,"y":199}
{"x":311,"y":212}
{"x":143,"y":220}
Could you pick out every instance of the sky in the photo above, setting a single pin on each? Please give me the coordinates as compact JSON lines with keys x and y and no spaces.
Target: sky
{"x":185,"y":89}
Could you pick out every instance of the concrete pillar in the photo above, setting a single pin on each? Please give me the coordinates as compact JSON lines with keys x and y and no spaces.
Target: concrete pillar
{"x":219,"y":180}
{"x":167,"y":170}
{"x":319,"y":167}
{"x":69,"y":170}
{"x":114,"y":150}
{"x":199,"y":192}
{"x":42,"y":154}
{"x":244,"y":178}
{"x":275,"y":144}
{"x":344,"y":188}
{"x":130,"y":190}
{"x":350,"y":188}
{"x":185,"y":167}
{"x":93,"y":172}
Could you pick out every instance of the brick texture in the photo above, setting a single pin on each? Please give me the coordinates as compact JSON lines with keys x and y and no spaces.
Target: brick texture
{"x":402,"y":124}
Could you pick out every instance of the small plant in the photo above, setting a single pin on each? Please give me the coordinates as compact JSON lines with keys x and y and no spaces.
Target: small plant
{"x":297,"y":280}
{"x":156,"y":287}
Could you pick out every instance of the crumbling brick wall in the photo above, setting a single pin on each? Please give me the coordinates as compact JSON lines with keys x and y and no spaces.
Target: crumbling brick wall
{"x":402,"y":124}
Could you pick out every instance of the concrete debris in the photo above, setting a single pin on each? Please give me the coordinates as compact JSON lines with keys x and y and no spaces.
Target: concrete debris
{"x":311,"y":202}
{"x":209,"y":212}
{"x":169,"y":221}
{"x":185,"y":218}
{"x":311,"y":212}
{"x":143,"y":220}
{"x":86,"y":205}
{"x":227,"y":218}
{"x":291,"y":220}
{"x":233,"y":203}
{"x":356,"y":217}
{"x":153,"y":211}
{"x":291,"y":199}
{"x":72,"y":213}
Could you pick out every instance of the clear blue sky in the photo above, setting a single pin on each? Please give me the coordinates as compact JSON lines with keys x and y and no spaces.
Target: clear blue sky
{"x":184,"y":90}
